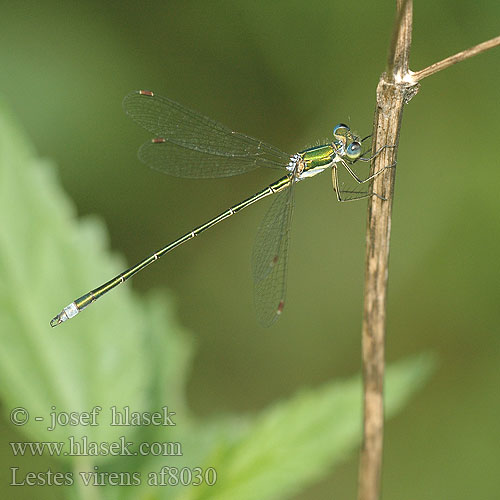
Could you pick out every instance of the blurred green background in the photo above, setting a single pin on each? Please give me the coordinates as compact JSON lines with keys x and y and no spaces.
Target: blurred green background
{"x":286,"y":72}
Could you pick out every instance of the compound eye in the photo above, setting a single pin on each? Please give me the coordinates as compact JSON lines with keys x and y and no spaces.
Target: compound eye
{"x":341,"y":131}
{"x":353,"y":150}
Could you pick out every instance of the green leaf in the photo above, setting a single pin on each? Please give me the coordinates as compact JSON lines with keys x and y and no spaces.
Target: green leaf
{"x":296,"y":442}
{"x":108,"y":356}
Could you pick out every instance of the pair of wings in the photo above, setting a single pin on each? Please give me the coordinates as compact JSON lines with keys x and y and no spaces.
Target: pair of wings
{"x":191,"y":145}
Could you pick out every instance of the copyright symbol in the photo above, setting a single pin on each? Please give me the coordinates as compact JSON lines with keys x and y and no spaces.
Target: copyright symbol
{"x":19,"y":416}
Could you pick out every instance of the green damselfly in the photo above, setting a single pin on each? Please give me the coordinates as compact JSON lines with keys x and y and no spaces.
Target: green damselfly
{"x":190,"y":145}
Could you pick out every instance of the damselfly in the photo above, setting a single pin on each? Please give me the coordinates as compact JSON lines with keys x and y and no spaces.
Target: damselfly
{"x":189,"y":145}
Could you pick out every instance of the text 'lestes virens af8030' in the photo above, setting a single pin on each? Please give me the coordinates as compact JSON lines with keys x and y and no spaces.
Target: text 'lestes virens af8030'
{"x":187,"y":144}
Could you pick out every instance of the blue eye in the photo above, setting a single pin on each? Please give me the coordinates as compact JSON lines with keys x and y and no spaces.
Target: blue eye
{"x":353,"y":150}
{"x":340,"y":131}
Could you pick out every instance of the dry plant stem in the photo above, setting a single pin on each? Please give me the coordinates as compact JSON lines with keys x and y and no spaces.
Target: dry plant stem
{"x":391,"y":98}
{"x":392,"y":92}
{"x":461,"y":56}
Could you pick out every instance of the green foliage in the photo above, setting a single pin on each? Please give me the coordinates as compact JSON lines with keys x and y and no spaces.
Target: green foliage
{"x":127,"y":351}
{"x":297,"y":441}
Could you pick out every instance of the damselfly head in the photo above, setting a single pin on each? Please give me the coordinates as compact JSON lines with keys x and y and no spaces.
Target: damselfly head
{"x":346,"y":143}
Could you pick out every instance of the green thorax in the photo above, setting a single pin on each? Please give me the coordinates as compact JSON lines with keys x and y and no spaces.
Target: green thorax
{"x":316,"y":159}
{"x":318,"y":156}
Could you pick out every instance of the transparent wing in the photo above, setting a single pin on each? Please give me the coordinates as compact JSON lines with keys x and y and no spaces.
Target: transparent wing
{"x":190,"y":130}
{"x":270,"y":258}
{"x":179,"y":161}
